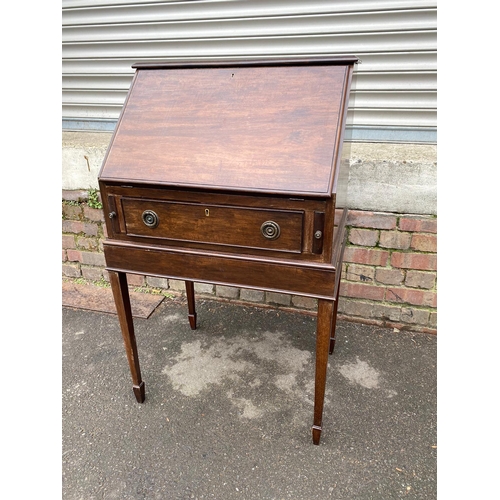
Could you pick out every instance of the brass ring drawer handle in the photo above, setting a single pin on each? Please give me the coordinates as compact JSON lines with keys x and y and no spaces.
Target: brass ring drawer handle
{"x":150,"y":218}
{"x":270,"y":230}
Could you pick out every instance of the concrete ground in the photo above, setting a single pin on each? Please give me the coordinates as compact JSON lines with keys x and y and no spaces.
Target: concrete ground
{"x":229,"y":408}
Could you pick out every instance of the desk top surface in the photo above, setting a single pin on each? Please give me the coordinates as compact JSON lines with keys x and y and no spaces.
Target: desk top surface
{"x":270,"y":129}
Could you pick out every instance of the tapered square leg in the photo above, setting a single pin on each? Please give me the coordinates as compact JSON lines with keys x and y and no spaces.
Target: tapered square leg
{"x":191,"y":304}
{"x":119,"y":287}
{"x":323,"y":333}
{"x":139,"y":392}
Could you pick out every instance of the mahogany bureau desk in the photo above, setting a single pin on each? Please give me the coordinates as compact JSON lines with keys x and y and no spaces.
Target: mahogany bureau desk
{"x":231,"y":172}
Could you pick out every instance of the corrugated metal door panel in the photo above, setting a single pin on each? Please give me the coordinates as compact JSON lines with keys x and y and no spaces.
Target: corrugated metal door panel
{"x":89,"y":97}
{"x":135,"y":11}
{"x":262,"y":45}
{"x":394,"y":100}
{"x":394,"y":87}
{"x":410,"y":80}
{"x":264,"y":26}
{"x":95,"y":82}
{"x":390,"y":118}
{"x":94,"y":112}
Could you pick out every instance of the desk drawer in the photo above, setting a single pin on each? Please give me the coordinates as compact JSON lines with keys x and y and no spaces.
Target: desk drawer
{"x":270,"y":229}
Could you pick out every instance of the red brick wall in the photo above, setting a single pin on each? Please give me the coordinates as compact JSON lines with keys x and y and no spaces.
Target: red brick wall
{"x":388,"y":277}
{"x":390,"y":270}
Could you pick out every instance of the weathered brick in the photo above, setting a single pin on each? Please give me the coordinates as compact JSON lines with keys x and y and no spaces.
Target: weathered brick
{"x":363,"y":237}
{"x":87,"y":243}
{"x":227,"y":292}
{"x":433,"y":320}
{"x":177,"y":285}
{"x":74,"y":195}
{"x":362,"y":291}
{"x":156,"y":282}
{"x":373,"y":220}
{"x":72,"y":226}
{"x":388,"y":276}
{"x":93,"y":259}
{"x":92,"y":273}
{"x":356,"y":272}
{"x":418,"y":224}
{"x":206,"y":288}
{"x":93,"y":214}
{"x":304,"y":302}
{"x":369,"y":310}
{"x":64,"y":256}
{"x":71,"y":270}
{"x":180,"y":286}
{"x":368,"y":256}
{"x":412,"y":296}
{"x":395,"y":239}
{"x":424,"y":242}
{"x":420,"y":279}
{"x":73,"y":212}
{"x":136,"y":280}
{"x":415,"y":316}
{"x":282,"y":299}
{"x":252,"y":295}
{"x":68,"y":241}
{"x":90,"y":229}
{"x":420,"y":261}
{"x":344,"y":270}
{"x":74,"y":255}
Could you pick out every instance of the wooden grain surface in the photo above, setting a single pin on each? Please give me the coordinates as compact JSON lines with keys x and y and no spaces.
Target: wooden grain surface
{"x":304,"y":279}
{"x":234,"y":226}
{"x":272,"y":129}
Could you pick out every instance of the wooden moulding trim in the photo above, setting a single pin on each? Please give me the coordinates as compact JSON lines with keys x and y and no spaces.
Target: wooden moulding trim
{"x":223,"y":63}
{"x":342,"y":120}
{"x":122,"y":111}
{"x":220,"y":189}
{"x":306,"y":279}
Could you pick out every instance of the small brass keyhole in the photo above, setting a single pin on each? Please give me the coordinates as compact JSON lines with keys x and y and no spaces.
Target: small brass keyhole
{"x":207,"y":212}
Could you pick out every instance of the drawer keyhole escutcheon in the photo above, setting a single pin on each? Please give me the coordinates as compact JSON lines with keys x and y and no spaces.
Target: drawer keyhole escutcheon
{"x":270,"y":230}
{"x":207,"y":212}
{"x":150,"y":218}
